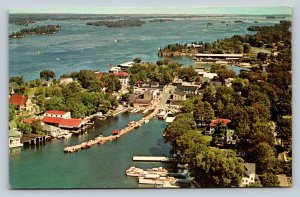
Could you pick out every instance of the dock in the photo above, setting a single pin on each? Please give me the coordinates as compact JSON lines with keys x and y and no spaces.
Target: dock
{"x":120,"y":112}
{"x":152,"y":159}
{"x":102,"y":139}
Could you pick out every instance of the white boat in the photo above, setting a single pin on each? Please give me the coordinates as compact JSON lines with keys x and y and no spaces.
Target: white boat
{"x":145,"y":111}
{"x":159,"y":171}
{"x":157,"y":181}
{"x":161,"y":114}
{"x":146,"y":121}
{"x":115,"y":40}
{"x":133,"y":171}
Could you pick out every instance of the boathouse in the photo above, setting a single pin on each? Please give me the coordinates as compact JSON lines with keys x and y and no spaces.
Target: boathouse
{"x":58,"y":114}
{"x":14,"y":139}
{"x":72,"y":123}
{"x":202,"y":57}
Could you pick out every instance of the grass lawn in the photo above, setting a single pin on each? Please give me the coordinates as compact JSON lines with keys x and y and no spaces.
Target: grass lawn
{"x":30,"y":92}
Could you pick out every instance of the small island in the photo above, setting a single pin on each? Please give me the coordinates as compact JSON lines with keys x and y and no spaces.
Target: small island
{"x":42,"y":30}
{"x":119,"y":23}
{"x":21,"y":21}
{"x":161,"y":20}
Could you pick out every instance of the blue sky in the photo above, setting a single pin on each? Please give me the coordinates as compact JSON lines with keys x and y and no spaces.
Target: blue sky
{"x":160,"y":10}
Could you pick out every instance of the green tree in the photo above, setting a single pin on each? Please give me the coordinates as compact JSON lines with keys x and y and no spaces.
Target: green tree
{"x":86,"y":77}
{"x":111,"y":82}
{"x":12,"y":112}
{"x":203,"y":113}
{"x":47,"y":74}
{"x":137,"y":60}
{"x":219,"y":168}
{"x":262,"y":56}
{"x":18,"y":80}
{"x":269,"y":180}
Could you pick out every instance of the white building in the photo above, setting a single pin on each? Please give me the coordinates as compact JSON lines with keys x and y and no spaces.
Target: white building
{"x":114,"y":69}
{"x":208,"y":75}
{"x":14,"y":139}
{"x":126,"y":65}
{"x":249,"y":174}
{"x":123,"y":77}
{"x":58,"y":114}
{"x":65,"y":80}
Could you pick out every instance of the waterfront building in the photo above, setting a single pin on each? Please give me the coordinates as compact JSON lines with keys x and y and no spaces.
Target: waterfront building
{"x":126,"y":65}
{"x":57,"y":113}
{"x":14,"y":139}
{"x":114,"y":69}
{"x":144,"y":99}
{"x":249,"y":175}
{"x":72,"y":123}
{"x":20,"y":101}
{"x":213,"y":58}
{"x":207,"y":75}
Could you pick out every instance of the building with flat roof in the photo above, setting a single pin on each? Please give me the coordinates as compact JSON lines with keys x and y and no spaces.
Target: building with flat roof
{"x":225,"y":58}
{"x":126,"y":65}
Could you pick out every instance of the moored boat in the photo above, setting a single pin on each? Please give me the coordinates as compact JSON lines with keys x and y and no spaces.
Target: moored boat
{"x":133,"y":171}
{"x":116,"y":132}
{"x":157,"y":181}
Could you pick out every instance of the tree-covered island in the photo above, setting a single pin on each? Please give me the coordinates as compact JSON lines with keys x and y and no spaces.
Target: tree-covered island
{"x":41,"y":30}
{"x":118,"y":23}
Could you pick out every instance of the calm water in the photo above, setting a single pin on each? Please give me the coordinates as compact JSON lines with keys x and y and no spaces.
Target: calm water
{"x":101,"y":166}
{"x":78,"y":46}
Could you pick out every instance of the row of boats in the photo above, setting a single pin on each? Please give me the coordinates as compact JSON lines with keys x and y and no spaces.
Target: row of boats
{"x":154,"y":176}
{"x":138,"y":110}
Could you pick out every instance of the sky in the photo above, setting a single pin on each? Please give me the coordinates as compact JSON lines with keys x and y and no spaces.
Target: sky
{"x":161,"y":10}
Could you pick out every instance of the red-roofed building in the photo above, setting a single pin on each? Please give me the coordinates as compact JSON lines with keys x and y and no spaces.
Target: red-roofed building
{"x":72,"y":123}
{"x":21,"y":101}
{"x":57,"y":113}
{"x":99,"y":75}
{"x":214,"y":123}
{"x":123,"y":77}
{"x":29,"y":120}
{"x":55,"y":121}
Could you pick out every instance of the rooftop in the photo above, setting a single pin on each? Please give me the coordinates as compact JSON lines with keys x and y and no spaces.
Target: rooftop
{"x":121,"y":74}
{"x":249,"y":168}
{"x":218,"y":55}
{"x":54,"y":120}
{"x":71,"y":122}
{"x":56,"y":112}
{"x":18,"y":99}
{"x":218,"y":120}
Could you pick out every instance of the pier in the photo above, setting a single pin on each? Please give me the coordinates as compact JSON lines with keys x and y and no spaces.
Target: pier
{"x":152,"y":159}
{"x":102,"y":139}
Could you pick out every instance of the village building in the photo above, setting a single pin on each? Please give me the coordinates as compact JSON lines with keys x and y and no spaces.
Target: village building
{"x":283,"y":181}
{"x":114,"y":69}
{"x":72,"y":123}
{"x":123,"y":77}
{"x":21,"y":102}
{"x":14,"y":139}
{"x":57,"y":113}
{"x":216,"y":122}
{"x":99,"y":74}
{"x":179,"y":96}
{"x":207,"y":75}
{"x":144,"y":99}
{"x":126,"y":65}
{"x":65,"y":81}
{"x":249,"y":175}
{"x":189,"y":88}
{"x":213,"y":58}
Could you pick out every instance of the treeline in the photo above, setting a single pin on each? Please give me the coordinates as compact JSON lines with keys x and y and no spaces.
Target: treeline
{"x":160,"y":20}
{"x":47,"y":29}
{"x":271,"y":37}
{"x":119,"y":23}
{"x":21,"y":21}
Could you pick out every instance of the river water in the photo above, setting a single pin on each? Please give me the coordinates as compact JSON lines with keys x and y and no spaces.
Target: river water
{"x":101,"y":166}
{"x":75,"y":47}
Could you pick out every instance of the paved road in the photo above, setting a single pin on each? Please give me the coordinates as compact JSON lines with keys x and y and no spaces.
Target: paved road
{"x":162,"y":103}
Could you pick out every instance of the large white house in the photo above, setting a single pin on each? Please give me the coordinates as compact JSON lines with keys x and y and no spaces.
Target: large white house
{"x":249,"y":174}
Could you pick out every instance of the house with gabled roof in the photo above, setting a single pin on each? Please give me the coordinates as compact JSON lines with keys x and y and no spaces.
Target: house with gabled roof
{"x":22,"y":102}
{"x":249,"y":175}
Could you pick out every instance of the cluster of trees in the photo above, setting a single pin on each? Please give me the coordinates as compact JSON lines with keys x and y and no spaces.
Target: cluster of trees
{"x":211,"y":167}
{"x":81,"y":99}
{"x":119,"y":23}
{"x":46,"y":29}
{"x":162,"y":72}
{"x":271,"y":37}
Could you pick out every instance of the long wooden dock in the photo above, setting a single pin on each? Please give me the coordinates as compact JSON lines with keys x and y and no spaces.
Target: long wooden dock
{"x":102,"y":140}
{"x":152,"y":159}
